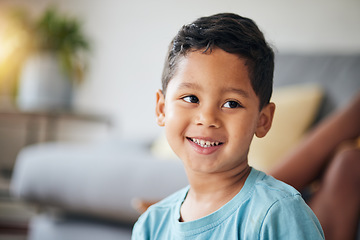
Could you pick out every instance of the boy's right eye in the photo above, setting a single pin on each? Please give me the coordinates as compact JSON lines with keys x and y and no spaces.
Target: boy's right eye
{"x":191,"y":99}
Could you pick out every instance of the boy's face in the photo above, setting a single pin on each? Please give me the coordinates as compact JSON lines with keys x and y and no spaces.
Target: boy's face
{"x":211,"y":112}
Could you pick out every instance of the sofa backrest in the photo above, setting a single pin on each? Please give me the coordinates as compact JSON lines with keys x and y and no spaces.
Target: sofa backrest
{"x":338,"y":75}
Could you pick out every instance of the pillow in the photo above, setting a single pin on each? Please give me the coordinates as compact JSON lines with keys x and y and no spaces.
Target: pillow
{"x":296,"y":109}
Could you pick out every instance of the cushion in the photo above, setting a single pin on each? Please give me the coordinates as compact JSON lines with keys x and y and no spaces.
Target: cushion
{"x":296,"y":109}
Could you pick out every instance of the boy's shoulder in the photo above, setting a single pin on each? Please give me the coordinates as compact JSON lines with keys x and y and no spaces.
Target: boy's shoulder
{"x":262,"y":189}
{"x":159,"y":214}
{"x":269,"y":206}
{"x":267,"y":183}
{"x":167,"y":204}
{"x":274,"y":201}
{"x":266,"y":190}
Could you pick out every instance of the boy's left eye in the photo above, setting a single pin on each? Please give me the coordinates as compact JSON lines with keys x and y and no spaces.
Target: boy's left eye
{"x":232,"y":104}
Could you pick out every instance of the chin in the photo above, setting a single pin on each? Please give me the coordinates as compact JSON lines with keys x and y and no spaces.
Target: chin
{"x":202,"y":167}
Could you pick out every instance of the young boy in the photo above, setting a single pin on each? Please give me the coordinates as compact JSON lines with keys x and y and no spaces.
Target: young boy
{"x":216,"y":88}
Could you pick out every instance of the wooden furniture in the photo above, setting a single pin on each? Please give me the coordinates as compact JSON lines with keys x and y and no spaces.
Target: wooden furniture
{"x":19,"y":129}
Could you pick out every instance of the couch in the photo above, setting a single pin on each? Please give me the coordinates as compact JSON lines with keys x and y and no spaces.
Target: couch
{"x":86,"y":191}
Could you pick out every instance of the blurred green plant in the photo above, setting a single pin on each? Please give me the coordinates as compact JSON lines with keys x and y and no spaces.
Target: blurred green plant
{"x":62,"y":35}
{"x":59,"y":34}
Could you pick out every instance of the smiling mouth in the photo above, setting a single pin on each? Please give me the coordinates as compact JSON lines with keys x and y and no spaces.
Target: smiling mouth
{"x":204,"y":143}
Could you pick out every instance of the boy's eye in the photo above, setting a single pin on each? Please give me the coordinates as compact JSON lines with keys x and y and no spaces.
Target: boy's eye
{"x":232,"y":104}
{"x":191,"y":99}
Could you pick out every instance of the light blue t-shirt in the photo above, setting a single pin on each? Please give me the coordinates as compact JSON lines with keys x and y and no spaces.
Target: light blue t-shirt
{"x":265,"y":208}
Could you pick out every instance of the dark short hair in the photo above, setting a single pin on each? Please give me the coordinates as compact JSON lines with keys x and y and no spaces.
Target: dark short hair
{"x":233,"y":34}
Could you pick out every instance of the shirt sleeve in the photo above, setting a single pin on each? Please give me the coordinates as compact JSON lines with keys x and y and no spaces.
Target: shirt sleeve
{"x":135,"y":233}
{"x":291,"y":218}
{"x":139,"y":230}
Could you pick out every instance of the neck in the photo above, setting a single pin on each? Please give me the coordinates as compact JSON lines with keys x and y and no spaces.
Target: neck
{"x":216,"y":183}
{"x":209,"y":192}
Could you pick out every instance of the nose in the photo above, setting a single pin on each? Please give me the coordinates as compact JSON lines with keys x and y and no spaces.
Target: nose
{"x":208,"y":116}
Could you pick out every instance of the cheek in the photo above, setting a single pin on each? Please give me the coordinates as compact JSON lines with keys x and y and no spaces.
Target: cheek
{"x":176,"y":114}
{"x":174,"y":130}
{"x":175,"y":122}
{"x":244,"y":130}
{"x":172,"y":117}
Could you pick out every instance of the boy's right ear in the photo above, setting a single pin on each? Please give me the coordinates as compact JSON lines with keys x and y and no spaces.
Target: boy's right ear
{"x":160,"y":108}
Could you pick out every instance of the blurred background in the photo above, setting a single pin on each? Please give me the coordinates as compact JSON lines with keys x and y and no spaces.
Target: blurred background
{"x":129,"y":41}
{"x":122,"y":46}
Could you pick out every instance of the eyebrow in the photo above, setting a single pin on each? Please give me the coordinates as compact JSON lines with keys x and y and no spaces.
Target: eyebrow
{"x":187,"y":85}
{"x":238,"y":91}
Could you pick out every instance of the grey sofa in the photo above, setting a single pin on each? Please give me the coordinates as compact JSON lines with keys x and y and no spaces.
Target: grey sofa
{"x":85,"y":191}
{"x":91,"y":186}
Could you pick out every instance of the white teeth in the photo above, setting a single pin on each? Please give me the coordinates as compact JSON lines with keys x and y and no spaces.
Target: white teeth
{"x":195,"y":140}
{"x":204,"y":143}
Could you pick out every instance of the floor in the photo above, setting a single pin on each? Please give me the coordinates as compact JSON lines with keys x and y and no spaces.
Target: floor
{"x":14,"y":214}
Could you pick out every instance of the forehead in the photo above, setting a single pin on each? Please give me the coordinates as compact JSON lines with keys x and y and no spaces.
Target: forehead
{"x":218,"y":67}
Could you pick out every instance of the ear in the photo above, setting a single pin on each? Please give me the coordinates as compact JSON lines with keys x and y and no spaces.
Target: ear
{"x":160,"y":108}
{"x":265,"y":120}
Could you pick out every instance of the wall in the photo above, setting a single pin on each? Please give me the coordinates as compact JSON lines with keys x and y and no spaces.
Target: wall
{"x":130,"y":39}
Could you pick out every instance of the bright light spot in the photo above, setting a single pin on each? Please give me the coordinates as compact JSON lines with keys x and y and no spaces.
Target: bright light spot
{"x":11,"y":39}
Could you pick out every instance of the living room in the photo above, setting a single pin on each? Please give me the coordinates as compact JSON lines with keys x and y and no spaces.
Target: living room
{"x":114,"y":104}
